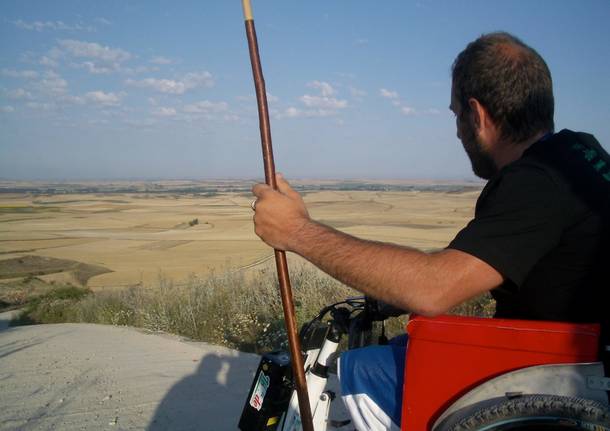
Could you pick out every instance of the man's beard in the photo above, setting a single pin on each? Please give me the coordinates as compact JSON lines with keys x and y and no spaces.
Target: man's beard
{"x":483,"y":165}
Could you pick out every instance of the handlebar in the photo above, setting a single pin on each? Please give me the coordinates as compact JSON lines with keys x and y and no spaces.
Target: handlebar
{"x":380,"y":310}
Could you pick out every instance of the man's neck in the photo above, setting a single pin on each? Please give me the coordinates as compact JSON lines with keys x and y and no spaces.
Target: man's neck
{"x":508,"y":152}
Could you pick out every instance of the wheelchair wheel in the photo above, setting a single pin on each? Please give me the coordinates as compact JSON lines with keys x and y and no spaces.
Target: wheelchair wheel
{"x":535,"y":413}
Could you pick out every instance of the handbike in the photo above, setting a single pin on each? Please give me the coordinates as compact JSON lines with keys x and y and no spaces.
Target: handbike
{"x":461,"y":373}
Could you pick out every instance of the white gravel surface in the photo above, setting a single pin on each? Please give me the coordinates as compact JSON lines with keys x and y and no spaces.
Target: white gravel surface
{"x":97,"y":377}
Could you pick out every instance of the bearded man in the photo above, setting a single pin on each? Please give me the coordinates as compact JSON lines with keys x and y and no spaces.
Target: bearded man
{"x":538,"y":240}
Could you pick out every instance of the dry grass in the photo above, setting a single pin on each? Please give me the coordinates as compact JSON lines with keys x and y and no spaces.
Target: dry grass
{"x":228,"y":309}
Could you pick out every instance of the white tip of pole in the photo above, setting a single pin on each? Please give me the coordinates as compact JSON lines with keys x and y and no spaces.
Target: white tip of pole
{"x":247,"y":10}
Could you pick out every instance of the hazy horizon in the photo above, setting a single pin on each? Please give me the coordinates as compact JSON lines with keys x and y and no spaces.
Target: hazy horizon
{"x":236,"y":179}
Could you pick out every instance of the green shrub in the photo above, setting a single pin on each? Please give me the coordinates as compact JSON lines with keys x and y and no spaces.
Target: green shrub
{"x":58,"y":305}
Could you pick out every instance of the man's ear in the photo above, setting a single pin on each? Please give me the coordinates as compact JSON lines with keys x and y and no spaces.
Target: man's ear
{"x":484,"y":126}
{"x":479,"y":114}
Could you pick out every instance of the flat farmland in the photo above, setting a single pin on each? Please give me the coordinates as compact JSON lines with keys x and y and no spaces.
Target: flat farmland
{"x":117,"y":239}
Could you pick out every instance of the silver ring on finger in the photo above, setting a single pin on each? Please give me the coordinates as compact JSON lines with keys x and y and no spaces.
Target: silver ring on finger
{"x":253,"y":205}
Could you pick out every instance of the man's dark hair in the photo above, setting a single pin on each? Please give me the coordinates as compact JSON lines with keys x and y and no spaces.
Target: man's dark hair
{"x":511,"y":80}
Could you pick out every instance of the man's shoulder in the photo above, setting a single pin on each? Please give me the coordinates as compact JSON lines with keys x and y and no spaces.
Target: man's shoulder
{"x":526,"y":176}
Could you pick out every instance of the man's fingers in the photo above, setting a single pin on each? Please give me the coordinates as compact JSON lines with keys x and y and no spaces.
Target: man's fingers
{"x":282,"y":184}
{"x":284,"y":187}
{"x":259,"y":190}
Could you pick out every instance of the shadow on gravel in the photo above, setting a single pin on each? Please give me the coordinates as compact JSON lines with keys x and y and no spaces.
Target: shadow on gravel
{"x":6,"y":317}
{"x":210,"y":399}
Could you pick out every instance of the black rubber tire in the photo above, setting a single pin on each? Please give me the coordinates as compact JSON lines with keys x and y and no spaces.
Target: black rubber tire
{"x":536,"y":412}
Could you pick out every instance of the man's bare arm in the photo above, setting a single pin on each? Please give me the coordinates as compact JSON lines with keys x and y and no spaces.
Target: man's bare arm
{"x":425,"y":283}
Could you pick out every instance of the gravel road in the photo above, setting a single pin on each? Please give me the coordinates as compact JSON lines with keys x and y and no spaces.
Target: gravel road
{"x":97,"y":377}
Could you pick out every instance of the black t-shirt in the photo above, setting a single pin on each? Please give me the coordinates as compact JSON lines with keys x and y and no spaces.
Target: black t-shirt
{"x":535,"y":226}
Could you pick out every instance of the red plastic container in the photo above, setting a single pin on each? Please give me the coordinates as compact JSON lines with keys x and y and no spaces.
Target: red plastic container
{"x":449,"y":355}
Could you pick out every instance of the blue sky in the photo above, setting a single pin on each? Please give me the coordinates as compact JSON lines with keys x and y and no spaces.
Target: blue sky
{"x":357,"y":89}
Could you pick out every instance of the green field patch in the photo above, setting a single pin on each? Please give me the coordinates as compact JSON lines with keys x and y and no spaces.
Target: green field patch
{"x":32,"y":266}
{"x":27,"y":209}
{"x":78,"y":201}
{"x":20,"y":285}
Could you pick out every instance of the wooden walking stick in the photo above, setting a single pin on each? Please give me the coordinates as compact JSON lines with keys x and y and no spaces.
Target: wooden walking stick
{"x":280,"y":256}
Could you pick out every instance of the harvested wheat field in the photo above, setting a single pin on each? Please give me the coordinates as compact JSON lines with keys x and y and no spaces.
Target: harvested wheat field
{"x":109,"y":239}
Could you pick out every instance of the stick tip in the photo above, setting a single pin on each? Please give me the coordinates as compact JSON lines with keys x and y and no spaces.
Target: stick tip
{"x":247,"y":10}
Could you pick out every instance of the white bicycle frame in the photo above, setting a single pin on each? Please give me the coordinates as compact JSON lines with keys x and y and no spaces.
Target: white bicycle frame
{"x":316,"y":375}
